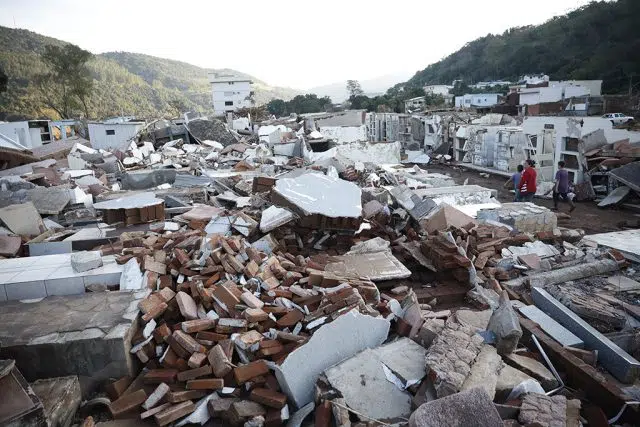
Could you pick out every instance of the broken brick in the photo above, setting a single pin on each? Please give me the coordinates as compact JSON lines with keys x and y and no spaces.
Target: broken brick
{"x":244,"y":373}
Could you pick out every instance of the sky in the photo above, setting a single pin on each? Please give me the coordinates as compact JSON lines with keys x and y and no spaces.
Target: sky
{"x":297,"y":44}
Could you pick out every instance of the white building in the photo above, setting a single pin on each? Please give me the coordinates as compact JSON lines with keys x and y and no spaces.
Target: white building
{"x":229,"y":93}
{"x":477,"y":100}
{"x":414,"y":104}
{"x":442,"y":90}
{"x":35,"y":133}
{"x":112,"y":133}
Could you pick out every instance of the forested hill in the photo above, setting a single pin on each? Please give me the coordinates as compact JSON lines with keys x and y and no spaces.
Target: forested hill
{"x":124,"y":83}
{"x":598,"y":41}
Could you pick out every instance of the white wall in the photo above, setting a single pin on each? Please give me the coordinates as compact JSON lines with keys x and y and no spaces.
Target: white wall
{"x":568,"y":126}
{"x":123,"y":133}
{"x":18,"y":132}
{"x":234,"y":91}
{"x":345,"y":134}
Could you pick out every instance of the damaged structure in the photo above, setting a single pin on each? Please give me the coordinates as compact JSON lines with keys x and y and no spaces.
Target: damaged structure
{"x":315,"y":270}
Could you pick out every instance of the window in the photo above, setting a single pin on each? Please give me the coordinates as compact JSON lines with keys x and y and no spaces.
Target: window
{"x":111,"y":131}
{"x":230,"y":83}
{"x":228,"y":103}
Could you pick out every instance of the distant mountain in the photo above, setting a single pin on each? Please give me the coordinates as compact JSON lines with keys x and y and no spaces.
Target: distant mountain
{"x":124,"y":83}
{"x":372,"y":87}
{"x":596,"y":41}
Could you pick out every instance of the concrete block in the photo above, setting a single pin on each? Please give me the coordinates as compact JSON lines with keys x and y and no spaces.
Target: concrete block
{"x":539,"y":409}
{"x":534,"y":368}
{"x":467,"y":408}
{"x":86,"y":335}
{"x":85,"y":261}
{"x":344,"y":337}
{"x":617,"y":361}
{"x":26,"y":290}
{"x":505,"y":324}
{"x":508,"y":379}
{"x":484,"y":371}
{"x":362,"y":382}
{"x":554,"y":329}
{"x":68,"y":286}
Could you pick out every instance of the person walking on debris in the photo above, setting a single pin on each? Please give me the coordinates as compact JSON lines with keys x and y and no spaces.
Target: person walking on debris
{"x":561,"y":188}
{"x":515,"y":181}
{"x":528,"y":181}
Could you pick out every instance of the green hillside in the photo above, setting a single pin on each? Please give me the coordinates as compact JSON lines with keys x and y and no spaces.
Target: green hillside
{"x":124,"y":83}
{"x":597,"y":41}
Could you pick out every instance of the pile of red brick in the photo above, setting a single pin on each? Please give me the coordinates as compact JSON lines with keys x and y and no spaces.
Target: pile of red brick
{"x":482,"y":244}
{"x":220,"y":314}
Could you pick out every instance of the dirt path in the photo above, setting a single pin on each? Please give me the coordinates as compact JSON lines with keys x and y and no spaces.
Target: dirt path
{"x":587,"y":215}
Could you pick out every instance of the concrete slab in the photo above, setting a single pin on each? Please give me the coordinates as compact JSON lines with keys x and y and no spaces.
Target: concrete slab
{"x":23,"y":219}
{"x":554,"y":329}
{"x":362,"y":382}
{"x":621,"y":283}
{"x":61,"y":399}
{"x":377,"y":266}
{"x":616,"y":196}
{"x":508,"y":379}
{"x":49,"y":275}
{"x":627,"y":242}
{"x":523,"y":216}
{"x":86,"y":335}
{"x":458,"y":194}
{"x":617,"y":361}
{"x":484,"y":371}
{"x":628,"y":174}
{"x":321,"y":194}
{"x":534,"y":368}
{"x":330,"y":344}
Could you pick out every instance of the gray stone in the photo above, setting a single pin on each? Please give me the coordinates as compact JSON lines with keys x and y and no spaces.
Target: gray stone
{"x":344,"y":337}
{"x":298,"y":417}
{"x":429,"y":331}
{"x":474,"y":319}
{"x":508,"y":379}
{"x":534,"y":368}
{"x":450,"y":357}
{"x":485,"y":370}
{"x":86,"y":335}
{"x":505,"y":324}
{"x":550,"y":411}
{"x":362,"y":382}
{"x":61,"y":398}
{"x":617,"y":361}
{"x":23,"y":219}
{"x":85,"y":261}
{"x":467,"y":408}
{"x":554,"y":329}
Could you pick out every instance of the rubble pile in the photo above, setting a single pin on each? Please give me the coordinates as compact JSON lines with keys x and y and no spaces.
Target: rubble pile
{"x":198,"y":275}
{"x":212,"y":130}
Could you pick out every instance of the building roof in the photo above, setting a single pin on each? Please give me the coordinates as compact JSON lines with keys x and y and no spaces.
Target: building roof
{"x":224,"y":78}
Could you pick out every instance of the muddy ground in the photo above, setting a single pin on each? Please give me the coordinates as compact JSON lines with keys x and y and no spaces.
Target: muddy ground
{"x":587,"y":215}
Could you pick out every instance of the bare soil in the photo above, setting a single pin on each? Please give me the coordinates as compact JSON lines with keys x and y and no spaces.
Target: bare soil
{"x":587,"y":215}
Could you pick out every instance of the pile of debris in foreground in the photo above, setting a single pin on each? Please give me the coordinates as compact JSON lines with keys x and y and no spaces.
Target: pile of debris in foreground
{"x":251,"y":281}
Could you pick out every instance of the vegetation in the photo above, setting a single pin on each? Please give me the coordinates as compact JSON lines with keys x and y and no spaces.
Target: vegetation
{"x":597,"y":41}
{"x":66,"y":86}
{"x":300,"y":104}
{"x":122,"y":82}
{"x":393,"y":100}
{"x":461,"y":88}
{"x":3,"y":80}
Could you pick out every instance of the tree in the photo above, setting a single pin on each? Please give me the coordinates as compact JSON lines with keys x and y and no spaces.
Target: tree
{"x":277,"y":107}
{"x":4,"y":81}
{"x":67,"y":84}
{"x":178,"y":105}
{"x":354,"y":88}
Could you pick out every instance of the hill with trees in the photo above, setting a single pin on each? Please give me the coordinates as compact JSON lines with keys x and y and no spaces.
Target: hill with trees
{"x":123,"y":82}
{"x":597,"y":41}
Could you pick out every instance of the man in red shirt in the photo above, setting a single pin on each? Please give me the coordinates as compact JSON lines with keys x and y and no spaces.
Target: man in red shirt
{"x":528,"y":181}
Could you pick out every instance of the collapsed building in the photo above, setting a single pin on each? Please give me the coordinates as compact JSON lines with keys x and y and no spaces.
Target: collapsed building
{"x":295,"y":271}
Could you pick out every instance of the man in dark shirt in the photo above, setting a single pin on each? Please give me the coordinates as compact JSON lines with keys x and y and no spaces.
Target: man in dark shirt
{"x":561,"y":187}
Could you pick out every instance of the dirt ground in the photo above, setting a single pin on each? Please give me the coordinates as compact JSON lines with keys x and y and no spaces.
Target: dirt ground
{"x":587,"y":215}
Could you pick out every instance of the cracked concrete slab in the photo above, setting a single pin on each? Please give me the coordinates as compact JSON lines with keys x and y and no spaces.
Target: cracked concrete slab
{"x":86,"y":335}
